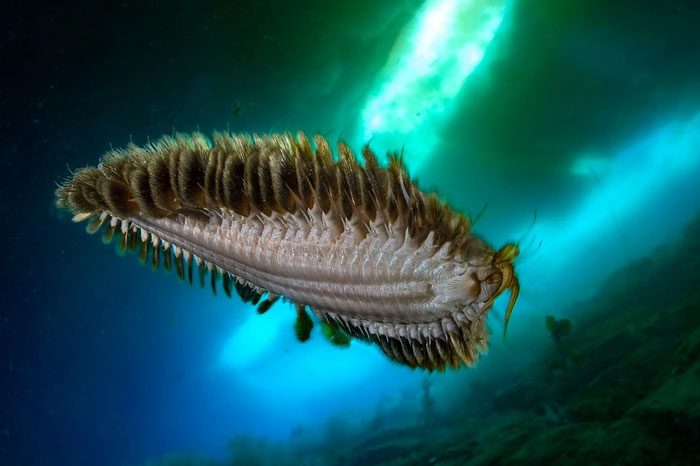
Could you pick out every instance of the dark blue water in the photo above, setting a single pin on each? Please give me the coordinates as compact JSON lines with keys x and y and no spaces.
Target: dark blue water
{"x":579,"y":129}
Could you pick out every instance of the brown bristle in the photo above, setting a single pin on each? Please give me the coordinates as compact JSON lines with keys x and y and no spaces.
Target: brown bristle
{"x":219,"y":192}
{"x":202,"y":273}
{"x":167,"y":259}
{"x":155,"y":260}
{"x":191,"y":178}
{"x":227,"y":284}
{"x":75,"y":198}
{"x":280,"y":172}
{"x":255,"y":297}
{"x":344,"y":194}
{"x":123,"y":244}
{"x":118,"y":198}
{"x":233,"y":185}
{"x":92,"y":195}
{"x":213,"y":276}
{"x":303,"y":324}
{"x":143,"y":252}
{"x":251,"y":181}
{"x":442,"y":353}
{"x":326,"y":184}
{"x":210,"y":178}
{"x":259,"y":175}
{"x":418,"y":353}
{"x":305,"y":180}
{"x":159,"y":180}
{"x":173,"y":172}
{"x":132,"y":244}
{"x":179,"y":266}
{"x":108,"y":234}
{"x":141,"y":190}
{"x":94,"y":225}
{"x":268,"y":201}
{"x":265,"y":306}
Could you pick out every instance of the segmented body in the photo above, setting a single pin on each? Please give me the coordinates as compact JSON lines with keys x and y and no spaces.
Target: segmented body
{"x":361,"y":246}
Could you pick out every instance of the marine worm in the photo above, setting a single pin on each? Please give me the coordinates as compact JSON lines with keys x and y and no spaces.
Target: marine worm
{"x":272,"y":216}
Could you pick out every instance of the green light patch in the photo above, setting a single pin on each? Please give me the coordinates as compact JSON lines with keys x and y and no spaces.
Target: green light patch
{"x":430,"y":61}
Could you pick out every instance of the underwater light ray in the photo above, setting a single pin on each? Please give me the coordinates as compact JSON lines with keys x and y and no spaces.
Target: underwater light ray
{"x":640,"y":200}
{"x":253,"y":339}
{"x":430,"y":61}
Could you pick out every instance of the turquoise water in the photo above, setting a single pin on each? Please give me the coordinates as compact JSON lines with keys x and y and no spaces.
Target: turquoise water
{"x":572,"y":129}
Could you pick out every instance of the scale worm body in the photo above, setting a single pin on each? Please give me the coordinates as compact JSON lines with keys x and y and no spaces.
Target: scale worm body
{"x":359,"y":244}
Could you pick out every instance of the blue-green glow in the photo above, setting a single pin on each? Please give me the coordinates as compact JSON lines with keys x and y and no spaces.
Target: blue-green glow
{"x":640,"y":198}
{"x":250,"y":341}
{"x":431,"y":60}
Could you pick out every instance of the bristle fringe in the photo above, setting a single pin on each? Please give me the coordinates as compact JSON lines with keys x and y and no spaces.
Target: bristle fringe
{"x":260,"y":174}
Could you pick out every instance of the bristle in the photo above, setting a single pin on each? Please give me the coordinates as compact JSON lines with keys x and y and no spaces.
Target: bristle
{"x":179,"y":267}
{"x":219,"y":192}
{"x":162,"y":192}
{"x":213,"y":276}
{"x":266,"y":304}
{"x":167,"y":260}
{"x":251,"y":181}
{"x":189,"y":271}
{"x":202,"y":273}
{"x":431,"y":353}
{"x":141,"y":190}
{"x":94,"y":225}
{"x":418,"y":353}
{"x":304,"y":169}
{"x":264,"y":174}
{"x":442,"y":356}
{"x":109,"y":234}
{"x":80,"y":195}
{"x":123,"y":242}
{"x":345,"y":192}
{"x":459,"y":348}
{"x":255,"y":297}
{"x":407,"y":352}
{"x":247,"y":293}
{"x":284,"y":183}
{"x":353,"y":181}
{"x":227,"y":284}
{"x":174,"y":172}
{"x":241,"y":289}
{"x":118,"y":198}
{"x":155,"y":261}
{"x":143,"y":252}
{"x":334,"y":335}
{"x":132,"y":242}
{"x":396,"y":351}
{"x":264,"y":186}
{"x":303,"y":324}
{"x":233,"y":185}
{"x":210,"y":178}
{"x":190,"y":179}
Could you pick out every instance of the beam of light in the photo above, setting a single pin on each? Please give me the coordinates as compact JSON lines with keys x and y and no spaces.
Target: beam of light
{"x":430,"y":61}
{"x":297,"y":383}
{"x":267,"y":345}
{"x":641,"y":197}
{"x":251,"y":341}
